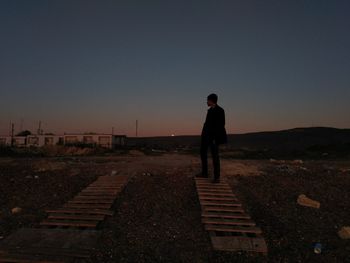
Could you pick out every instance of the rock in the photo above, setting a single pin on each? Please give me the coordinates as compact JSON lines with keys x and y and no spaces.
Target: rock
{"x":16,"y":210}
{"x":344,"y":232}
{"x":114,"y":172}
{"x":305,"y":201}
{"x":36,"y":177}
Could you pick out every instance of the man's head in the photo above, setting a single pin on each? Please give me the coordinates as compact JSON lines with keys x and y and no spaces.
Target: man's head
{"x":212,"y":99}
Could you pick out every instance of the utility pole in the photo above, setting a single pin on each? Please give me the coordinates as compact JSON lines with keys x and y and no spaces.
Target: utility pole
{"x":21,"y":125}
{"x":39,"y":129}
{"x":12,"y":133}
{"x":137,"y":127}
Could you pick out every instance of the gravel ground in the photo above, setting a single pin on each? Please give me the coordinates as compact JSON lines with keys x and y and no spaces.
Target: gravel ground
{"x":157,"y":216}
{"x":290,"y":229}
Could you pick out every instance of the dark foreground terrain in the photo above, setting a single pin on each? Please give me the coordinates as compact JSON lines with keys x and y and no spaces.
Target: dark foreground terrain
{"x":157,"y":217}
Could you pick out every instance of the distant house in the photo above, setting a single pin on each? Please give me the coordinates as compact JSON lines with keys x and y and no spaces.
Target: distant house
{"x":5,"y":140}
{"x":19,"y":141}
{"x":34,"y":140}
{"x":43,"y":140}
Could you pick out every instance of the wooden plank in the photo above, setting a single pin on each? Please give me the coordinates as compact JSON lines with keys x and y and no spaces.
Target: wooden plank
{"x":122,"y":180}
{"x":109,"y":195}
{"x":216,"y":194}
{"x":210,"y":185}
{"x":221,"y":209}
{"x":213,"y":191}
{"x":239,"y":243}
{"x":104,"y":187}
{"x":205,"y":179}
{"x":209,"y":198}
{"x":106,"y":190}
{"x":100,"y":194}
{"x":15,"y":259}
{"x":87,"y":224}
{"x":230,"y":221}
{"x":213,"y":188}
{"x":226,"y":215}
{"x":88,"y":206}
{"x":233,"y":229}
{"x":90,"y":202}
{"x":99,"y":197}
{"x":107,"y":185}
{"x":80,"y":211}
{"x":224,"y":203}
{"x":225,"y":187}
{"x":76,"y":217}
{"x":110,"y":191}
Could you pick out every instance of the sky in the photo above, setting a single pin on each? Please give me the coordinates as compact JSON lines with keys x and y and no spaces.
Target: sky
{"x":88,"y":66}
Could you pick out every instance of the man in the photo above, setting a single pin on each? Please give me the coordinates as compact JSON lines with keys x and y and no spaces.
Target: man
{"x":213,"y":134}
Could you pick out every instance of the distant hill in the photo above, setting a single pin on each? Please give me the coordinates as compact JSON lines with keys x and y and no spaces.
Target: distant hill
{"x":298,"y":142}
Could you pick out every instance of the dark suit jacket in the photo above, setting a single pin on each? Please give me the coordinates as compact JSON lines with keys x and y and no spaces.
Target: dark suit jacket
{"x":214,"y":126}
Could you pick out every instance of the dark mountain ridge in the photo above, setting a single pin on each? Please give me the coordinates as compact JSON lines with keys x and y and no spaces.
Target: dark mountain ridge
{"x":295,"y":142}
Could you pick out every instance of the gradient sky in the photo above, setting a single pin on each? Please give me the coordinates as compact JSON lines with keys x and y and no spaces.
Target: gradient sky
{"x":81,"y":66}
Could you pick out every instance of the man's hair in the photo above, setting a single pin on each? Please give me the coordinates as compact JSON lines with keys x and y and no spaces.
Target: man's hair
{"x":213,"y":97}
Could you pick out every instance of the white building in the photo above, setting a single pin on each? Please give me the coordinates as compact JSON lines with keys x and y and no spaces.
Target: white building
{"x":101,"y":140}
{"x":43,"y":140}
{"x":18,"y":141}
{"x":5,"y":140}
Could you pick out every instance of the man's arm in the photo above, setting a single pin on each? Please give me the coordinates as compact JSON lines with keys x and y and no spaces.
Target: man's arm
{"x":221,"y":119}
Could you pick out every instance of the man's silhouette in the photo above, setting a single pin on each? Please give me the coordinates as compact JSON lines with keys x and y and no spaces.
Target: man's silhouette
{"x":213,"y":134}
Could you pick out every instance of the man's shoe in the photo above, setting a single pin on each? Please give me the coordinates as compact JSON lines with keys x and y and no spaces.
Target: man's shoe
{"x":215,"y":181}
{"x":201,"y":175}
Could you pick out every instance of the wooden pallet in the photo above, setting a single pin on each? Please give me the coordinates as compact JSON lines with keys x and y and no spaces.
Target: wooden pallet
{"x":229,"y":226}
{"x":68,"y":233}
{"x":90,"y":207}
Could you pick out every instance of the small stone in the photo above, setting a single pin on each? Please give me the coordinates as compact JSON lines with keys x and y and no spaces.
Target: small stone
{"x":36,"y":177}
{"x":114,"y":172}
{"x":16,"y":210}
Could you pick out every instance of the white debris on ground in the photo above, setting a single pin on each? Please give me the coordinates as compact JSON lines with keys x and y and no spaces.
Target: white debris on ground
{"x":303,"y":200}
{"x":344,"y":232}
{"x":16,"y":210}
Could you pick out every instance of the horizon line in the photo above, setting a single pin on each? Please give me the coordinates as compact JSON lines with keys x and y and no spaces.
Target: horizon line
{"x":185,"y":135}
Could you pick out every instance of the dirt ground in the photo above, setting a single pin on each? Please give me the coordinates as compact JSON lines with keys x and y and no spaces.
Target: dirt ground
{"x":157,"y":217}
